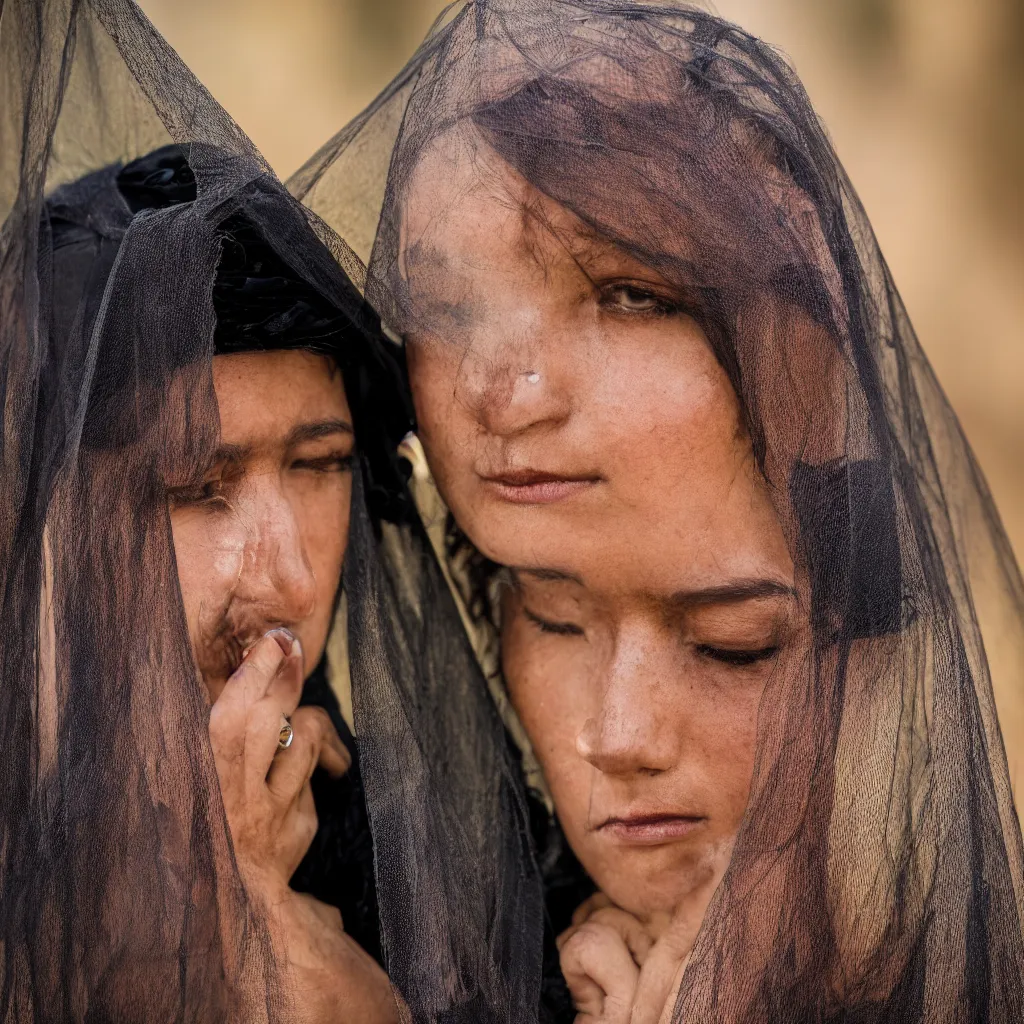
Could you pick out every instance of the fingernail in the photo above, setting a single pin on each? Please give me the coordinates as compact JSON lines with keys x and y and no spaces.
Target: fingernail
{"x":286,"y":640}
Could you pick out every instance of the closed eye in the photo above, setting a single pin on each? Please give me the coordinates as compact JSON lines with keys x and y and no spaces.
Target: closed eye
{"x":730,"y":656}
{"x":557,"y":628}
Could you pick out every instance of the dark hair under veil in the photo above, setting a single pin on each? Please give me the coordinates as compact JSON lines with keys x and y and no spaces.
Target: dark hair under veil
{"x":879,"y":873}
{"x":120,"y":278}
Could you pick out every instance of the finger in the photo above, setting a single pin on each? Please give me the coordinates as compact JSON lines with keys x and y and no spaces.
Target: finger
{"x":587,"y":995}
{"x":272,"y":668}
{"x":286,"y":685}
{"x":334,"y":758}
{"x":658,"y":987}
{"x":662,"y":972}
{"x":243,"y":733}
{"x":635,"y":935}
{"x":663,"y":969}
{"x":298,"y":827}
{"x":315,"y":741}
{"x":589,"y":905}
{"x":259,"y":743}
{"x":668,"y":1011}
{"x":596,"y":955}
{"x":251,"y":681}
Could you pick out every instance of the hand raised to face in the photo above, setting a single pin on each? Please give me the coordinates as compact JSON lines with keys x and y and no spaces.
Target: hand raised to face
{"x":268,"y":802}
{"x":266,"y":791}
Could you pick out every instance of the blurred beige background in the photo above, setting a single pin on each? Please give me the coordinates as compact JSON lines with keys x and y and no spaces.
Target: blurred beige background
{"x":923,"y":99}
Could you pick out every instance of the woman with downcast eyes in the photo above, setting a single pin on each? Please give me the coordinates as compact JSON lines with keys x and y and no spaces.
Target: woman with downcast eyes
{"x":755,"y":608}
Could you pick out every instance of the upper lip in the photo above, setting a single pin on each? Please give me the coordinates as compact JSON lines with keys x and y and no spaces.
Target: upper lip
{"x":647,"y":818}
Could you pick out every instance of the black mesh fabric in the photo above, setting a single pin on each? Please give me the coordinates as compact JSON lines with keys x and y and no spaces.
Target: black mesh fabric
{"x":132,"y":208}
{"x":877,"y":875}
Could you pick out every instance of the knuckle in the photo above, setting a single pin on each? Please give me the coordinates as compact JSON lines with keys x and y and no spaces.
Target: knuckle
{"x":308,"y":828}
{"x":262,"y":662}
{"x":313,"y":720}
{"x":307,"y":825}
{"x":264,"y":715}
{"x":579,"y":943}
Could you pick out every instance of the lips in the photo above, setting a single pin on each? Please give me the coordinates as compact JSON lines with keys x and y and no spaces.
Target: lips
{"x":535,"y":487}
{"x":650,"y":829}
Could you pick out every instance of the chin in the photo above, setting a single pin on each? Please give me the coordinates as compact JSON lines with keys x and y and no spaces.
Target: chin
{"x":646,"y":896}
{"x":651,"y":882}
{"x":515,"y":535}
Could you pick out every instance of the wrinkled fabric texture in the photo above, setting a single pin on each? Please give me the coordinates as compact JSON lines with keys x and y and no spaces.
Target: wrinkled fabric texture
{"x":120,"y":278}
{"x":878,"y":872}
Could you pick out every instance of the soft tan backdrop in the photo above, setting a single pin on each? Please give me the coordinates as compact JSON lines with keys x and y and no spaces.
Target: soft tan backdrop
{"x":923,"y":99}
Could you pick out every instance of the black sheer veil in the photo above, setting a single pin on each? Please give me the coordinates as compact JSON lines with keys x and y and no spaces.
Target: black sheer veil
{"x":878,"y":873}
{"x":119,"y":896}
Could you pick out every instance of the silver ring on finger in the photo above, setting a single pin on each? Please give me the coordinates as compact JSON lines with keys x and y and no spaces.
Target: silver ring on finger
{"x":286,"y":735}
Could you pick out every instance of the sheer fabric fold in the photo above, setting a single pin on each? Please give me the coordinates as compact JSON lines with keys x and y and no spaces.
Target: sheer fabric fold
{"x":878,"y":872}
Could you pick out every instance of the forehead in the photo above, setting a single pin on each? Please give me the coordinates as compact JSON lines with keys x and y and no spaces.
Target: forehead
{"x":263,"y":395}
{"x":661,"y":548}
{"x":468,"y":219}
{"x":465,"y":208}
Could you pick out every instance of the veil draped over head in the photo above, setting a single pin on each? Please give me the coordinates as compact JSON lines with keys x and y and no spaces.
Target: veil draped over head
{"x":120,"y":899}
{"x":877,"y":875}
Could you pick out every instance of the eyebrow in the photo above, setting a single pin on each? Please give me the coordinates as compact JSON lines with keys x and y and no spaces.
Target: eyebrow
{"x":734,"y":591}
{"x":727,"y":593}
{"x":313,"y":431}
{"x":424,"y":254}
{"x":235,"y":453}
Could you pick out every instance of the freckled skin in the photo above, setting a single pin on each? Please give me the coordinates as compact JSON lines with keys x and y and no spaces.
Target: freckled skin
{"x":534,"y":345}
{"x":262,"y":545}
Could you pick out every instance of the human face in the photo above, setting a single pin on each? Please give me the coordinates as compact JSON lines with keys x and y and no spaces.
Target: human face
{"x":259,"y":543}
{"x":585,"y":436}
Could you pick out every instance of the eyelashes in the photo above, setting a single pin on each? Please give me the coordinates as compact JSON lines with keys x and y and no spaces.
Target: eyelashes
{"x":325,"y":464}
{"x":732,"y":657}
{"x":214,"y":492}
{"x":554,"y":628}
{"x":207,"y":493}
{"x":737,"y":658}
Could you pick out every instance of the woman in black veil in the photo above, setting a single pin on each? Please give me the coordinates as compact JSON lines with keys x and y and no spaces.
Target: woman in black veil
{"x":150,"y":265}
{"x":589,"y":210}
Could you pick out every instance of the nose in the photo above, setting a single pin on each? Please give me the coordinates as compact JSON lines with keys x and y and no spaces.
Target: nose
{"x":517,"y":373}
{"x":276,"y":579}
{"x":636,"y":728}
